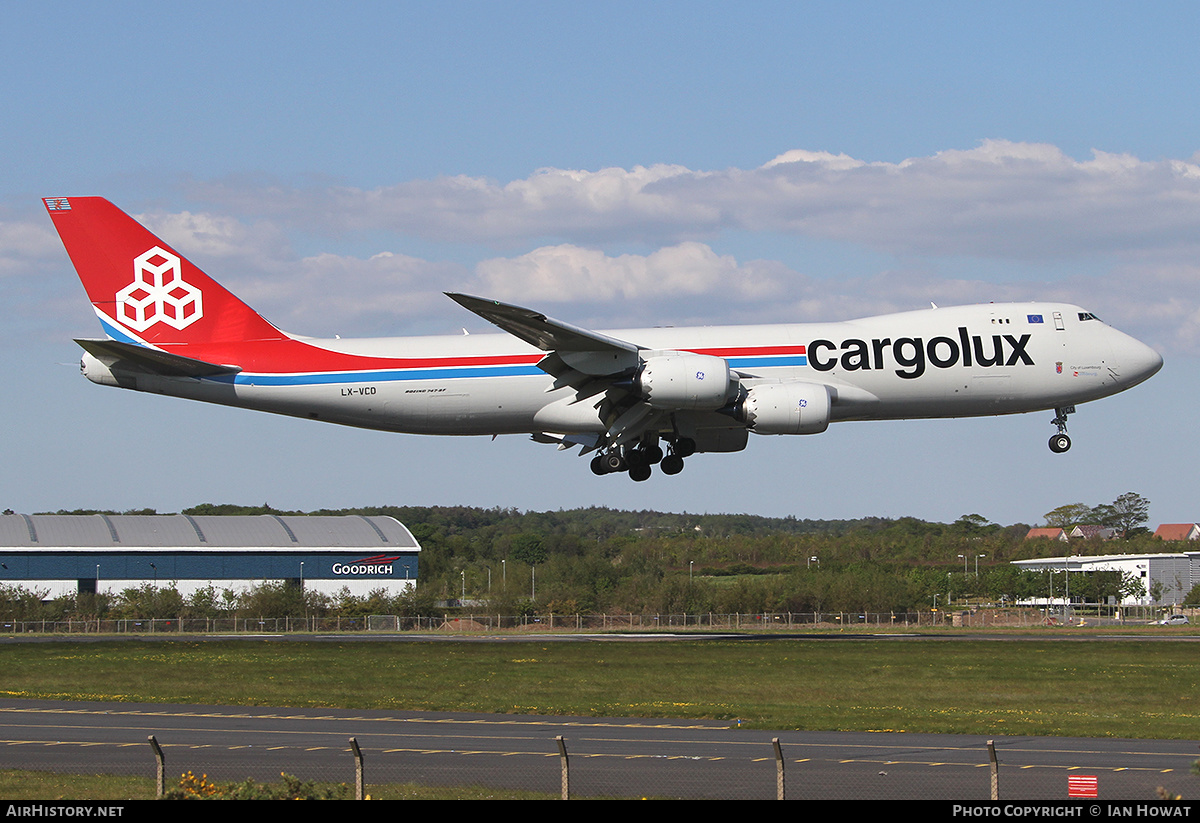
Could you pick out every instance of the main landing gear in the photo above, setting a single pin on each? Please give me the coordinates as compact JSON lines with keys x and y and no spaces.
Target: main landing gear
{"x":638,"y":459}
{"x":1060,"y":442}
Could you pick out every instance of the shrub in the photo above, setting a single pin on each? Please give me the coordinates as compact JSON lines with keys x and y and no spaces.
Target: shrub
{"x":291,"y":788}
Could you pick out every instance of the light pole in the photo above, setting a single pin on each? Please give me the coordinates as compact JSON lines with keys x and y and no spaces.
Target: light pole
{"x":1067,"y":584}
{"x":977,"y":563}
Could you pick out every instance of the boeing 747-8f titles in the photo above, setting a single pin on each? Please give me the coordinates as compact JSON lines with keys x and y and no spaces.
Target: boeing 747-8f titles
{"x":621,"y":395}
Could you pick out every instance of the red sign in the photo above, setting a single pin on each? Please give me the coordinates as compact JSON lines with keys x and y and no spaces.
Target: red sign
{"x":1083,"y":785}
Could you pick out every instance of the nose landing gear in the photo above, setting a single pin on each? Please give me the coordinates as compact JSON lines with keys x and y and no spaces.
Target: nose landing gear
{"x":1060,"y":442}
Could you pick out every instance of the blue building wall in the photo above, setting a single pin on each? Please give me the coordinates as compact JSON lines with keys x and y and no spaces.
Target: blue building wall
{"x":20,"y":566}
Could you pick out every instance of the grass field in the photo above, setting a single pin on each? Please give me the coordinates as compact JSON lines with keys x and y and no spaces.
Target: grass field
{"x":28,"y":785}
{"x":1028,"y":687}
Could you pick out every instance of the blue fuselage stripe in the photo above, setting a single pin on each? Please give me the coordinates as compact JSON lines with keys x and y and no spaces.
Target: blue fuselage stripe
{"x":768,"y":362}
{"x":391,"y":375}
{"x":375,"y":376}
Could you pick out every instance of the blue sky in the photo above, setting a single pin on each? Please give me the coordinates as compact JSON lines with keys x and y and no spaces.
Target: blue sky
{"x":615,"y":165}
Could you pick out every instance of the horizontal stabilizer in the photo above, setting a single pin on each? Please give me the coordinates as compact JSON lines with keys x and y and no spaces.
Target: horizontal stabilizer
{"x":154,"y":360}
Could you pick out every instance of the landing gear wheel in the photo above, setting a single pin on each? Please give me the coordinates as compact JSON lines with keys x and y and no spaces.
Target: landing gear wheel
{"x":614,"y":462}
{"x":640,"y":472}
{"x":1059,"y":443}
{"x":685,"y":447}
{"x":671,"y":464}
{"x":598,"y":466}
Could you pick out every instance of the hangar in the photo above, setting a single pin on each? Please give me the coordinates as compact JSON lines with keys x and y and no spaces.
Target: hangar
{"x":66,"y":554}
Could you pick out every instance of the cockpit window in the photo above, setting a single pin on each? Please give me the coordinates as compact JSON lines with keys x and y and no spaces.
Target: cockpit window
{"x":1087,"y":315}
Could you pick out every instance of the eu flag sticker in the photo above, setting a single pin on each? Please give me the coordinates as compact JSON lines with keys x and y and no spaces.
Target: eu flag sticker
{"x":1035,"y":318}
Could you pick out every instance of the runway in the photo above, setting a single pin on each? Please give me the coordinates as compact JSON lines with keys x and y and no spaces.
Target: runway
{"x":613,"y":757}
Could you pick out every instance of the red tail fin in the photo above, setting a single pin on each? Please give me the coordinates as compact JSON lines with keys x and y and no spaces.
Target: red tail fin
{"x":142,"y":289}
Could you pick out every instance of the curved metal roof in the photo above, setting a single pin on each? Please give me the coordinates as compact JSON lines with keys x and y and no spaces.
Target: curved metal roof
{"x":179,"y":531}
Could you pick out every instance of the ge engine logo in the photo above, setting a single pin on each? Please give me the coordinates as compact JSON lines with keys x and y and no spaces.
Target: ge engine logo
{"x":158,"y":293}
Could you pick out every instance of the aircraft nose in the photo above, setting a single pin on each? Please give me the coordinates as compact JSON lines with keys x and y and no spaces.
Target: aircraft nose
{"x":1135,"y":360}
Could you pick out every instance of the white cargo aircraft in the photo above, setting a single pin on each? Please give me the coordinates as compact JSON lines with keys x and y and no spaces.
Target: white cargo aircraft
{"x":618,"y":394}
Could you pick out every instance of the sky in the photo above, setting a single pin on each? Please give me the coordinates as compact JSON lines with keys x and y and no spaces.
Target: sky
{"x":615,"y":165}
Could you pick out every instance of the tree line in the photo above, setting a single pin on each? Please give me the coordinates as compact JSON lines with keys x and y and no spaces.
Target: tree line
{"x":597,"y":559}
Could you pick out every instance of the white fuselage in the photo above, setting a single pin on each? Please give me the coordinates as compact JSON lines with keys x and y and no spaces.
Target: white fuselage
{"x":946,"y":362}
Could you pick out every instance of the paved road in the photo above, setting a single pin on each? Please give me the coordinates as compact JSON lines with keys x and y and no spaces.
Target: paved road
{"x":608,"y":756}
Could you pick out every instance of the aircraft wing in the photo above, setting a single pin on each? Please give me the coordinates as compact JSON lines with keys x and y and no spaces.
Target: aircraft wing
{"x":539,"y":330}
{"x":155,"y":361}
{"x":593,"y":364}
{"x":584,"y":351}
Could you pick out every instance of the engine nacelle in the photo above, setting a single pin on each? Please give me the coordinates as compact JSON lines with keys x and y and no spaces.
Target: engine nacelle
{"x":685,"y":381}
{"x":786,"y":408}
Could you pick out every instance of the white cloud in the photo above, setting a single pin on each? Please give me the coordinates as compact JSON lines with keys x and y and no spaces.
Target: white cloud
{"x":551,"y":202}
{"x":1002,"y":200}
{"x":1114,"y":233}
{"x":385,"y":294}
{"x":999,"y":200}
{"x":203,"y":235}
{"x":22,"y":241}
{"x":824,"y":158}
{"x":568,"y":273}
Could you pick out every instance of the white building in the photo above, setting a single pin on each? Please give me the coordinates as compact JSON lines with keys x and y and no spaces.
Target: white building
{"x":1171,"y":575}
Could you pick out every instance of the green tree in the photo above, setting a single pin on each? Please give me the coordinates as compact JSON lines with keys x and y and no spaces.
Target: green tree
{"x":975,"y":524}
{"x":207,"y":602}
{"x":1128,"y":514}
{"x":148,"y":601}
{"x":273,"y":598}
{"x":527,"y":548}
{"x":20,"y":603}
{"x":1069,"y":516}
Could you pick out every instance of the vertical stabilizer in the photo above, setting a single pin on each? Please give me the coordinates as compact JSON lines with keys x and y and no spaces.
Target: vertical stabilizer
{"x":142,"y":289}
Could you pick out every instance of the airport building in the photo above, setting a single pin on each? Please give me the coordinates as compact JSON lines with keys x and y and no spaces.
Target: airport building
{"x":66,"y":554}
{"x":1171,"y":574}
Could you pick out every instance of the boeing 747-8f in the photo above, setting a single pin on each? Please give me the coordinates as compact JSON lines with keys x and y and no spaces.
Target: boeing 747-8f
{"x":634,"y":398}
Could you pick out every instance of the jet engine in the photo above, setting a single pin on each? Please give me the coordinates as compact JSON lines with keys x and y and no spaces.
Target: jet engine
{"x":685,"y":381}
{"x":786,"y":408}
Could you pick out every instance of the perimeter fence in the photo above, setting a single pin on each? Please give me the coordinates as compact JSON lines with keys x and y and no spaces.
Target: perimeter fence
{"x":461,"y":620}
{"x":586,"y":767}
